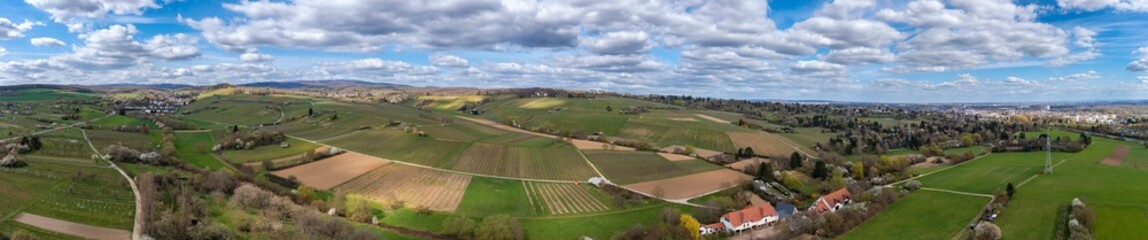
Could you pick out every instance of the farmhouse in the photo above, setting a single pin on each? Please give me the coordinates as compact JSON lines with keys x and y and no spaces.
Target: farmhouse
{"x":833,"y":201}
{"x":741,"y":220}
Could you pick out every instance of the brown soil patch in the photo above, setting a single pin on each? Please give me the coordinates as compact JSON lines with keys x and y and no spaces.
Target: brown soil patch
{"x":701,"y":152}
{"x":754,"y":199}
{"x":1117,"y":156}
{"x":930,"y":162}
{"x":71,"y":228}
{"x":675,"y":157}
{"x":415,"y":186}
{"x":330,"y":172}
{"x":711,"y":118}
{"x":690,"y":186}
{"x":761,"y":143}
{"x":684,"y":119}
{"x":592,"y":145}
{"x":741,"y":165}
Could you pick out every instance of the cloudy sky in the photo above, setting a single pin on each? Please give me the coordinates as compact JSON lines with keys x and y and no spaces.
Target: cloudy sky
{"x":849,"y":50}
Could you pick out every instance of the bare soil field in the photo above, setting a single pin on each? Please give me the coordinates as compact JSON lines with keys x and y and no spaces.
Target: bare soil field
{"x":690,"y":186}
{"x":675,"y":157}
{"x":564,"y":198}
{"x":1117,"y":156}
{"x":761,"y":143}
{"x":332,"y":171}
{"x":592,"y":145}
{"x":711,"y":118}
{"x":701,"y":152}
{"x":684,"y":119}
{"x":740,"y":165}
{"x":74,"y":229}
{"x":414,"y":186}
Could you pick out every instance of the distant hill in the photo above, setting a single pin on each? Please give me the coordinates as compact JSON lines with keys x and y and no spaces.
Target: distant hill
{"x":155,"y":86}
{"x":321,"y":83}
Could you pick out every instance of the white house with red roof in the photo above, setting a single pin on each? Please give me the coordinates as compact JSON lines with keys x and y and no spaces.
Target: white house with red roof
{"x":833,"y":201}
{"x":749,"y":217}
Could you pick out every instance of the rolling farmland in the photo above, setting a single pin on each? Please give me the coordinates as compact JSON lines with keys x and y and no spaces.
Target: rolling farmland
{"x":564,"y":198}
{"x":438,"y":190}
{"x":77,"y":191}
{"x":634,"y":167}
{"x":332,"y":171}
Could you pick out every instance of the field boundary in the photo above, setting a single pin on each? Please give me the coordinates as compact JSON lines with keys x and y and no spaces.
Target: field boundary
{"x":938,"y":170}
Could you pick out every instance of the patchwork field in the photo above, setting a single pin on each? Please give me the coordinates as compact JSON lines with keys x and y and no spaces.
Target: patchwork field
{"x":450,"y":103}
{"x":634,"y":167}
{"x":690,"y":186}
{"x":397,"y":145}
{"x":669,"y":134}
{"x":78,"y":191}
{"x":437,"y":190}
{"x":761,"y":142}
{"x":563,"y":198}
{"x":921,"y":215}
{"x":332,"y":171}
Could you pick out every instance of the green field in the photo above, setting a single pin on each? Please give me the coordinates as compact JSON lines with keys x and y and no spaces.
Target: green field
{"x":807,"y":137}
{"x":77,"y":191}
{"x":397,"y":145}
{"x":635,"y":167}
{"x":1114,"y":194}
{"x":195,"y":148}
{"x":37,"y":94}
{"x":990,"y":172}
{"x":921,"y":215}
{"x":491,"y":196}
{"x":976,"y":150}
{"x":119,"y":120}
{"x":602,"y":225}
{"x":269,"y":152}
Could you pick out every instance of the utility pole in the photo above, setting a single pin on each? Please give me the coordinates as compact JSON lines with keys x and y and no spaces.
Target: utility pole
{"x":1048,"y":151}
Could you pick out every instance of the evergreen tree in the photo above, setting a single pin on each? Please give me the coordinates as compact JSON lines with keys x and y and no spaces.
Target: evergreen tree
{"x":795,"y":160}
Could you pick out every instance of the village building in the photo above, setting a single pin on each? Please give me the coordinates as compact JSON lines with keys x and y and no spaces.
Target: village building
{"x":744,"y":219}
{"x":833,"y":201}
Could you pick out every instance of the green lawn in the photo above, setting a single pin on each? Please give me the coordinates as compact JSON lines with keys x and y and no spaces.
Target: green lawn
{"x":269,"y":152}
{"x":491,"y":196}
{"x":119,"y":120}
{"x":38,"y":94}
{"x":195,"y":148}
{"x":921,"y":215}
{"x":634,"y":167}
{"x":976,"y":150}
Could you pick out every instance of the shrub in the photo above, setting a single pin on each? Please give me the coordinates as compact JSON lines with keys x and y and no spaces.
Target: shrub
{"x":912,"y":185}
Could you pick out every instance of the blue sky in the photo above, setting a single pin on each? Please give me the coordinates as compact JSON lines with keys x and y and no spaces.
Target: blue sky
{"x":847,"y":50}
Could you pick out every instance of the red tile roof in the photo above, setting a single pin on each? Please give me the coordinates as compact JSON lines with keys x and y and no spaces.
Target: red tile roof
{"x":827,"y":201}
{"x":751,"y":213}
{"x":715,"y":226}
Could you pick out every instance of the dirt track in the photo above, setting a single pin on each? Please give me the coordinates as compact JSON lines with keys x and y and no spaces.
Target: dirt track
{"x":332,"y":171}
{"x":675,"y":157}
{"x":1117,"y":156}
{"x":690,"y":186}
{"x":711,"y":118}
{"x":580,"y":144}
{"x":71,"y":228}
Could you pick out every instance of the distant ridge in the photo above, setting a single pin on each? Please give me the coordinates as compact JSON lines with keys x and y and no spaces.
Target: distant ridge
{"x":340,"y":83}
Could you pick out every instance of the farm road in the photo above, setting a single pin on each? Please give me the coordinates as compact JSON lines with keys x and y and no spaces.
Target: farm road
{"x":137,"y":225}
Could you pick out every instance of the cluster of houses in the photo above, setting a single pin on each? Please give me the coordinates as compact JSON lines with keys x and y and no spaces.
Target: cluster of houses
{"x":758,"y":215}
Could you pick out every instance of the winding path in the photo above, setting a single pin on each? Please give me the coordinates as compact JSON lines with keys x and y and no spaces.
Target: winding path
{"x":137,"y":226}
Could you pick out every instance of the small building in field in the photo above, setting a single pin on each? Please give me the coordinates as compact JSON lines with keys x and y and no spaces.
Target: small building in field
{"x":833,"y":201}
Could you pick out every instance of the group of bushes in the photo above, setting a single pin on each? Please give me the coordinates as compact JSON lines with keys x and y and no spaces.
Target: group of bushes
{"x":1080,"y":220}
{"x":249,"y":140}
{"x":621,"y":196}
